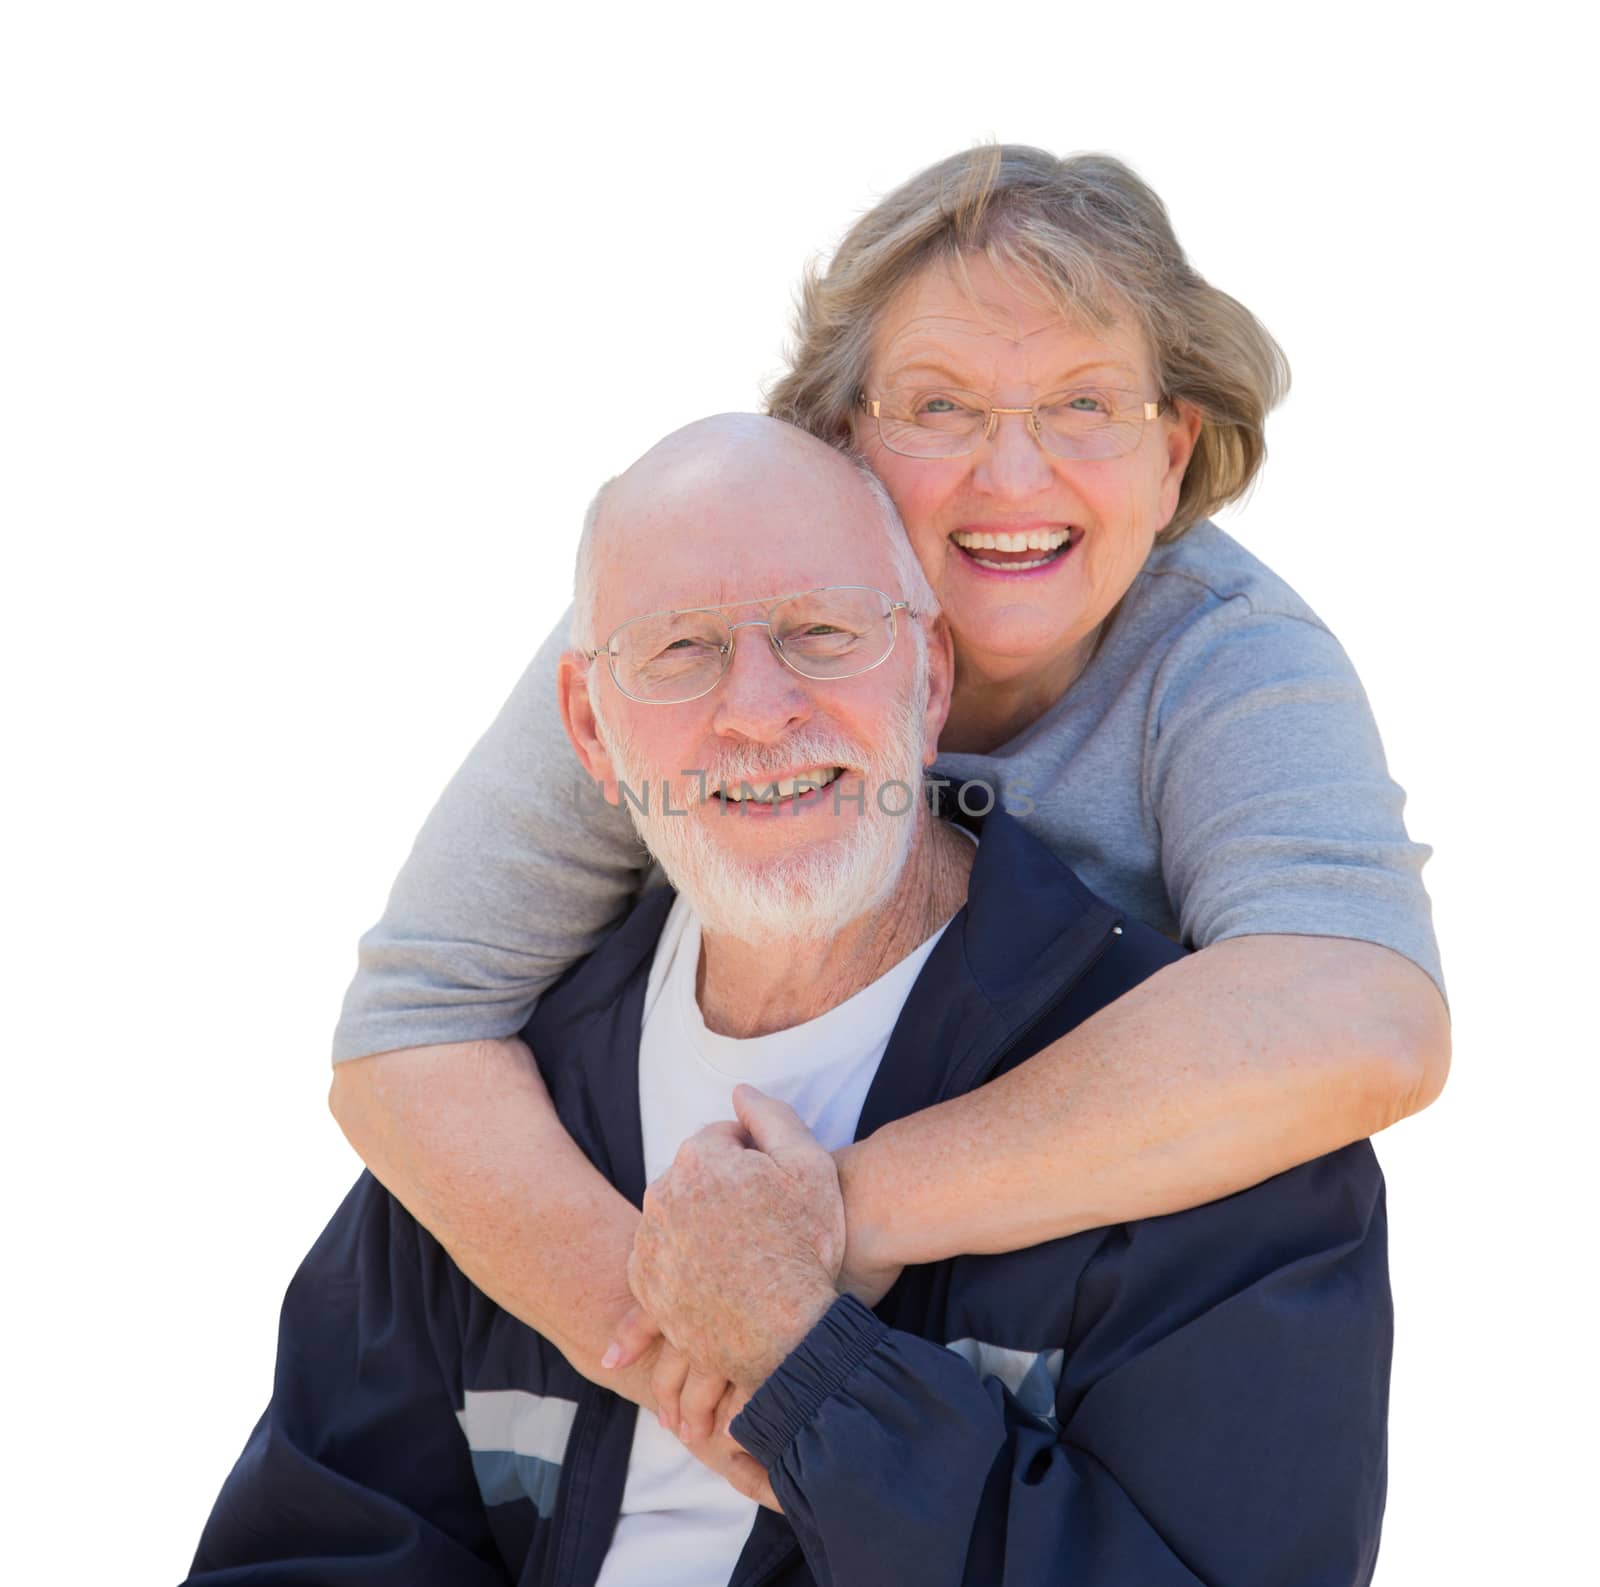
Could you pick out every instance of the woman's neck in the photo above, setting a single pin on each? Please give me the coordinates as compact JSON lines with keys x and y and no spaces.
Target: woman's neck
{"x":996,"y":698}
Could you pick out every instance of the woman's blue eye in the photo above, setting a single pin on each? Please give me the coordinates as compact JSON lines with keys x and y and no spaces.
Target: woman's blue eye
{"x":938,"y":405}
{"x":1086,"y":403}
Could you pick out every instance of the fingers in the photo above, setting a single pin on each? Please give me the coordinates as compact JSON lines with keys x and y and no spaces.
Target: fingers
{"x":749,"y":1476}
{"x":774,"y":1126}
{"x":687,"y":1399}
{"x":723,"y":1136}
{"x":740,"y":1469}
{"x":630,"y":1339}
{"x":666,"y":1384}
{"x":697,"y":1405}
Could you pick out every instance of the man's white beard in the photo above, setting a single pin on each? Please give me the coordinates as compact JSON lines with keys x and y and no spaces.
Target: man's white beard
{"x":819,"y":888}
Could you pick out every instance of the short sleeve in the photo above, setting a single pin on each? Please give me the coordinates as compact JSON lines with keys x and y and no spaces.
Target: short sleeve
{"x":1266,"y":778}
{"x":517,"y":873}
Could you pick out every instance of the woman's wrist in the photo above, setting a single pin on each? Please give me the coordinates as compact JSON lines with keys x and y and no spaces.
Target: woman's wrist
{"x":875,"y":1248}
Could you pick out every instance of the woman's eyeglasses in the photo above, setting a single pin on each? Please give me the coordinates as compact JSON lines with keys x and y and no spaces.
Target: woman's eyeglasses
{"x":1086,"y":422}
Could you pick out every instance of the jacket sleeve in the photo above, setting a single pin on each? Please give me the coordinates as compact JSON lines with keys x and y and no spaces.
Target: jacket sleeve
{"x":1219,"y":1417}
{"x":358,"y":1471}
{"x":517,"y":873}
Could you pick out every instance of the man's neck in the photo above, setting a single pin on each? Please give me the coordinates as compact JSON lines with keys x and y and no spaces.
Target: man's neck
{"x":745,"y":990}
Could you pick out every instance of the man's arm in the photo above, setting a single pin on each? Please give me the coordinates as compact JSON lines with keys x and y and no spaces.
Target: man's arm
{"x":357,"y":1473}
{"x":1218,"y":1415}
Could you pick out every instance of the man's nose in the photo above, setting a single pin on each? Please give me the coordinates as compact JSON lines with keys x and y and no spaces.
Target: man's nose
{"x":1011,"y":462}
{"x":759,"y":697}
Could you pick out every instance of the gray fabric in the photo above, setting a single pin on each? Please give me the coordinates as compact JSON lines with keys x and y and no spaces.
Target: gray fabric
{"x":1214,"y":771}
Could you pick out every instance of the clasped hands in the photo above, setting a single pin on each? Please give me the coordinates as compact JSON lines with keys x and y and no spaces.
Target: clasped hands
{"x":740,"y":1250}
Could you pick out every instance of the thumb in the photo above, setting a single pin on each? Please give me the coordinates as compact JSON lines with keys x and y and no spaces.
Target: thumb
{"x":773,"y":1126}
{"x":629,"y":1340}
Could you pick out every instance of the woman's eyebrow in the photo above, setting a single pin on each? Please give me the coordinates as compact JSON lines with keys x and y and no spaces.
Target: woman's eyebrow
{"x":1110,"y":365}
{"x":932,"y":369}
{"x":901,"y":372}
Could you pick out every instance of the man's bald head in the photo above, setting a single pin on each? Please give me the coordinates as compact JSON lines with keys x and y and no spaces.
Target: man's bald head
{"x":731,"y":497}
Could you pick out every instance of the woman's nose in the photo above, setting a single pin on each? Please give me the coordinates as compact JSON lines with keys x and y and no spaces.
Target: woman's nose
{"x":1012,"y":462}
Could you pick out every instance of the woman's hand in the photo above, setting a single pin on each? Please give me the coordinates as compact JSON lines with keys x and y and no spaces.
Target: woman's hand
{"x":723,"y":1454}
{"x":692,"y":1405}
{"x":686,"y":1398}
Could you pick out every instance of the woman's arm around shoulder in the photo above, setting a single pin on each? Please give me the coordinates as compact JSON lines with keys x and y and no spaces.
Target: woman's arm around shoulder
{"x":1311,"y":1015}
{"x":516,"y":874}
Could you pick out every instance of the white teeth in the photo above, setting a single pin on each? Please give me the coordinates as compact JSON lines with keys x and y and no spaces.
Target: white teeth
{"x":1028,"y":540}
{"x":769,"y":791}
{"x":1011,"y":567}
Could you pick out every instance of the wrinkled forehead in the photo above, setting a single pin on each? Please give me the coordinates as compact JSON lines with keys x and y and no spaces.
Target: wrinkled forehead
{"x":738,"y":536}
{"x":973,"y":323}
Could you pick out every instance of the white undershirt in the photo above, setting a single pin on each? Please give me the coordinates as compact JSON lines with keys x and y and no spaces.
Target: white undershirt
{"x":682,"y":1525}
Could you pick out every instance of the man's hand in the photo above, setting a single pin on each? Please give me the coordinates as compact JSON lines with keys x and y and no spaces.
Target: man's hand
{"x":738,"y":1252}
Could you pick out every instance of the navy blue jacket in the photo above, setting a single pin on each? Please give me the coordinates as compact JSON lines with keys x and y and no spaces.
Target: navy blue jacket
{"x":1191,"y":1399}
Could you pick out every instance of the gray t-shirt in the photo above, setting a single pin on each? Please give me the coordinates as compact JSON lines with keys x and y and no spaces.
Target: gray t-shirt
{"x":1214,"y":771}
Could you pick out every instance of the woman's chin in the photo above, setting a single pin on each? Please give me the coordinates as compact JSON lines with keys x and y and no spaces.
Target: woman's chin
{"x":1007,"y":647}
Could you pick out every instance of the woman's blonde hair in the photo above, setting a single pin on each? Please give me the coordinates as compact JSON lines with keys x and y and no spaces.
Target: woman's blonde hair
{"x":1091,"y":236}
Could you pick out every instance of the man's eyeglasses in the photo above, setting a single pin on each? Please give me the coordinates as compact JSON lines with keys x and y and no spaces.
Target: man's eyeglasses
{"x":1086,"y":422}
{"x":666,"y":658}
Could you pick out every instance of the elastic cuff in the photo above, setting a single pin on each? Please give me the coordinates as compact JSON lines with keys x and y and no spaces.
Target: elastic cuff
{"x":844,"y":1336}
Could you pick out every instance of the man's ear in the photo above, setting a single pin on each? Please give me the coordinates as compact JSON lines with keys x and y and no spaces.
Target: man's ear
{"x":941,"y":683}
{"x":578,"y":717}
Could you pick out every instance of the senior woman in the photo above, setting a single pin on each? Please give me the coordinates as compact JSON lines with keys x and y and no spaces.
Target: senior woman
{"x":1055,"y":400}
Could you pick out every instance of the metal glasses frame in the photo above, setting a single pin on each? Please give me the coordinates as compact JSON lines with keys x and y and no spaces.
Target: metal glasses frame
{"x":776,"y":644}
{"x":874,"y":406}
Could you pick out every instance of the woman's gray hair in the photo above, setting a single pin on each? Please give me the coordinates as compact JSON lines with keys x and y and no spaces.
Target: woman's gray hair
{"x":1096,"y":241}
{"x":913,"y":582}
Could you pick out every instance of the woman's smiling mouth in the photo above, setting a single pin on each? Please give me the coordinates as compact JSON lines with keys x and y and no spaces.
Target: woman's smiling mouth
{"x":1014,"y":551}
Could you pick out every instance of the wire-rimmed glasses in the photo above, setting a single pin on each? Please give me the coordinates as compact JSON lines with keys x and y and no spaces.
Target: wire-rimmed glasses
{"x":1084,"y":422}
{"x":667,"y":658}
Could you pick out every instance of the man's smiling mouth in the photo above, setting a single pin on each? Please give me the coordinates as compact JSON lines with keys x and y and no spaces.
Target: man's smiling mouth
{"x":770,"y":790}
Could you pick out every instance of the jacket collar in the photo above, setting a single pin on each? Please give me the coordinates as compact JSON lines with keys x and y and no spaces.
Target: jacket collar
{"x":1029,"y":926}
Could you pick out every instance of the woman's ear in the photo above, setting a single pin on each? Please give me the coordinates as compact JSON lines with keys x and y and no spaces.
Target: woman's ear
{"x":1183,"y":432}
{"x":579,"y":719}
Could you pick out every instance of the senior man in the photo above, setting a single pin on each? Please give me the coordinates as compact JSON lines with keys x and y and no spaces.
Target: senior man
{"x":1192,"y":1398}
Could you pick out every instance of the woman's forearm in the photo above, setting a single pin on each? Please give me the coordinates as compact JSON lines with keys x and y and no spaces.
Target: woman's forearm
{"x":466,"y":1138}
{"x":1221,"y":1070}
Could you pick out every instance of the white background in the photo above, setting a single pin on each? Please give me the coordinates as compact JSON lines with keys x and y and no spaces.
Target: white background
{"x":320,"y":325}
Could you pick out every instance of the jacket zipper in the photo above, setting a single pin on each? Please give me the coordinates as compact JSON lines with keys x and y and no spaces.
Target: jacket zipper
{"x":982,"y":1073}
